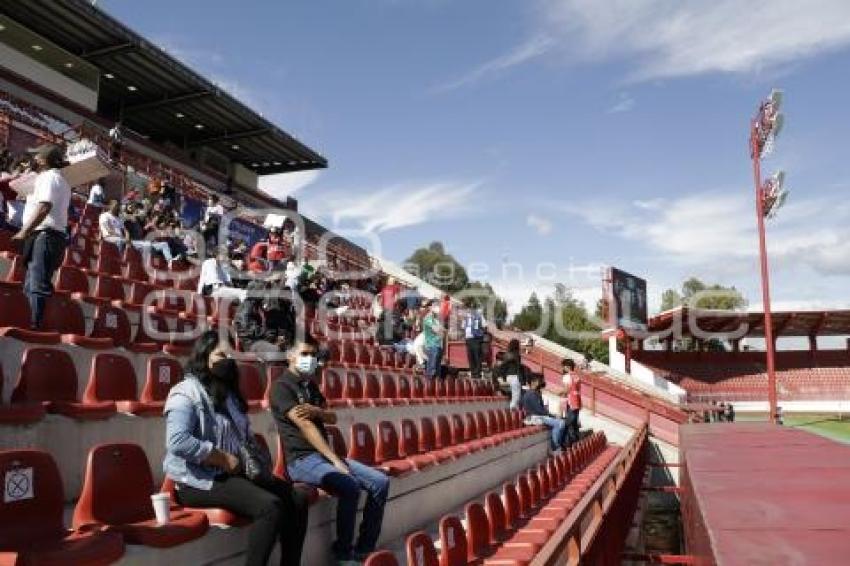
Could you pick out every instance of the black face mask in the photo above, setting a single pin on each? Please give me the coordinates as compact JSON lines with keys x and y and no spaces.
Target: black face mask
{"x":224,"y":379}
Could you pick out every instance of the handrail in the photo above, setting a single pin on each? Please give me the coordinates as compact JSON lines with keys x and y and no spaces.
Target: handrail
{"x":587,"y":529}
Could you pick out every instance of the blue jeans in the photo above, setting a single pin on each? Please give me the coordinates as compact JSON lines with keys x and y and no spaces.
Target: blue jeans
{"x":433,"y":360}
{"x":48,"y":247}
{"x":316,"y":470}
{"x":558,"y":430}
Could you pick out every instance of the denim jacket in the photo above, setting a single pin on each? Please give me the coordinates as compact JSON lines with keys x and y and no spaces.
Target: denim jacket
{"x":190,"y":433}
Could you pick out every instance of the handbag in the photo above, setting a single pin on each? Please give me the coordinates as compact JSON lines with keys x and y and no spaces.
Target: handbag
{"x":256,"y":460}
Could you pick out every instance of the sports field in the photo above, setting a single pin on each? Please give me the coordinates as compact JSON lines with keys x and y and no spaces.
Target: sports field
{"x":836,"y":427}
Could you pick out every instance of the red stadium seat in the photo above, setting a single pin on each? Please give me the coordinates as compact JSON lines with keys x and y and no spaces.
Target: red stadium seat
{"x":372,"y":390}
{"x":138,"y":293}
{"x":107,"y":289}
{"x":111,"y":322}
{"x":32,"y":518}
{"x":477,"y":532}
{"x":112,"y":378}
{"x":48,"y":376}
{"x":250,"y":385}
{"x":149,"y":323}
{"x":162,"y":374}
{"x":362,"y":445}
{"x":387,"y":450}
{"x":404,"y":391}
{"x":419,"y":451}
{"x":76,"y":258}
{"x":332,"y":388}
{"x":107,"y":265}
{"x":389,"y":391}
{"x":215,"y":515}
{"x":420,"y":550}
{"x":452,"y":542}
{"x":72,"y":280}
{"x":19,"y":413}
{"x":496,"y":518}
{"x":116,"y":492}
{"x":352,"y":390}
{"x":274,"y":371}
{"x":337,"y":441}
{"x":18,"y":270}
{"x":64,"y":315}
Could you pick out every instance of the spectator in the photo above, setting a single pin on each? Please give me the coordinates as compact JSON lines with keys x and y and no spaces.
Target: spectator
{"x":299,"y":410}
{"x":433,"y":330}
{"x":572,"y":381}
{"x":44,"y":233}
{"x":211,"y":222}
{"x":389,"y":295}
{"x":445,"y":310}
{"x":96,"y":194}
{"x":537,"y":413}
{"x":473,"y":329}
{"x":215,"y":281}
{"x":206,"y":426}
{"x":112,"y":229}
{"x":730,"y":413}
{"x":512,"y":371}
{"x":277,"y":248}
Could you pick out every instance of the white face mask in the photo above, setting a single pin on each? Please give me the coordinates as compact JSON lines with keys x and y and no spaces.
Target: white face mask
{"x":306,"y":364}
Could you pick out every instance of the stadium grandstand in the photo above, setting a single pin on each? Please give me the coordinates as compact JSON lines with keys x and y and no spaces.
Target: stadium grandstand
{"x":472,"y":479}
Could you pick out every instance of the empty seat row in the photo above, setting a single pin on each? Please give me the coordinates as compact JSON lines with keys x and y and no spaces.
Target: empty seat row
{"x":47,"y":378}
{"x":389,"y":388}
{"x":510,"y":528}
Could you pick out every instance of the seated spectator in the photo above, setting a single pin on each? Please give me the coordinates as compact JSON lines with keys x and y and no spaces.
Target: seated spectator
{"x":96,"y":195}
{"x":537,"y":413}
{"x":206,"y":427}
{"x":257,"y":262}
{"x":215,"y":281}
{"x":513,"y":372}
{"x":299,"y":409}
{"x":112,"y":229}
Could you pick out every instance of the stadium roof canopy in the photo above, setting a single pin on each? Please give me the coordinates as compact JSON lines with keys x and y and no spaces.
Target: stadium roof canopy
{"x":156,"y":95}
{"x":751,"y":324}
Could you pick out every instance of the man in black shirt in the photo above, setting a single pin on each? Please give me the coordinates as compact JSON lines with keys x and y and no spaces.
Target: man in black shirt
{"x":300,"y":412}
{"x":537,"y":413}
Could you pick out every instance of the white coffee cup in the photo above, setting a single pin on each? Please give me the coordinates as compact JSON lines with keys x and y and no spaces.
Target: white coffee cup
{"x":161,"y":507}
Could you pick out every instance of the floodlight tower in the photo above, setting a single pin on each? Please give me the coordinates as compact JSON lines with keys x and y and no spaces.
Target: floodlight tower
{"x":770,"y":195}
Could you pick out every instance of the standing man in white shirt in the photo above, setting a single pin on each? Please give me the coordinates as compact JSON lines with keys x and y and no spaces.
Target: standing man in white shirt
{"x":45,"y":228}
{"x":96,"y":195}
{"x":212,"y":222}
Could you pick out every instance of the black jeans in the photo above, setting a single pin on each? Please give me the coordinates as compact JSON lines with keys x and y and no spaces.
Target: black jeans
{"x":474,"y":348}
{"x":278,"y":512}
{"x":572,"y":426}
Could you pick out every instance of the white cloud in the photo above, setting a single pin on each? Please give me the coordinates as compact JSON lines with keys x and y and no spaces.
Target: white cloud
{"x":396,"y":206}
{"x":716,"y":231}
{"x":670,"y":38}
{"x":543,"y":226}
{"x":624,"y":103}
{"x":526,"y":51}
{"x":283,"y":185}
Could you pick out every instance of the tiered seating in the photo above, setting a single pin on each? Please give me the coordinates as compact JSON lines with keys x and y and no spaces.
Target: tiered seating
{"x":742,"y":376}
{"x":510,"y":528}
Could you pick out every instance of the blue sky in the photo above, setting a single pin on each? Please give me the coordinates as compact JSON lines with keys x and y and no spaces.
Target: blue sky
{"x":565,"y":132}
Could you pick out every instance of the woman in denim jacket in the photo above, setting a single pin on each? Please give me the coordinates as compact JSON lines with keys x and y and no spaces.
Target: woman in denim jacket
{"x":205,"y":427}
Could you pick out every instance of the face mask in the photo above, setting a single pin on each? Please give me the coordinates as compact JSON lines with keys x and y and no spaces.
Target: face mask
{"x":306,"y":364}
{"x":225,"y":371}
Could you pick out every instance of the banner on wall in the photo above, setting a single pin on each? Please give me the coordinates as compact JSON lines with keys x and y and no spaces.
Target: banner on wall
{"x":192,"y":211}
{"x":247,"y":231}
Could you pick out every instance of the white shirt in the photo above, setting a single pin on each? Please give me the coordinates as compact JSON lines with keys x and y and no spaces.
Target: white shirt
{"x":50,"y":186}
{"x":95,"y":194}
{"x":212,"y":273}
{"x":110,"y":225}
{"x":217,"y":210}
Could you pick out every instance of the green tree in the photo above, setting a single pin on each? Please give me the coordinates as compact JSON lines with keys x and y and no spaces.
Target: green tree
{"x":697,"y":294}
{"x":530,"y":316}
{"x":439,"y":268}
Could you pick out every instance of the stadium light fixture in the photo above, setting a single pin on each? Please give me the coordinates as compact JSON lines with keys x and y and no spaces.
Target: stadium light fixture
{"x":770,"y":196}
{"x":69,"y":65}
{"x":132,"y":88}
{"x":774,"y":194}
{"x":109,"y":76}
{"x":37,"y":47}
{"x":199,"y":126}
{"x":179,"y":115}
{"x":234,"y":147}
{"x":2,"y":27}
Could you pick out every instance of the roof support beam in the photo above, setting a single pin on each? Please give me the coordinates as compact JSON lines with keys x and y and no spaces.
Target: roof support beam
{"x":108,"y":51}
{"x":230,"y":137}
{"x":168,"y":101}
